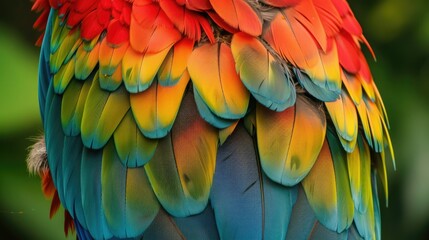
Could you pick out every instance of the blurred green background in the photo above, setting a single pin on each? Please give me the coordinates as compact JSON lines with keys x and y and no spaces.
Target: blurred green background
{"x":398,"y":31}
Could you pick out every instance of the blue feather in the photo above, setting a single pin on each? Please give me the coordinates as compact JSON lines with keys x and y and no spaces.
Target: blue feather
{"x":163,"y":227}
{"x":54,"y":136}
{"x":200,"y":226}
{"x":81,"y":232}
{"x":72,"y":154}
{"x":248,"y":205}
{"x":302,"y":219}
{"x":236,"y":192}
{"x":91,"y":193}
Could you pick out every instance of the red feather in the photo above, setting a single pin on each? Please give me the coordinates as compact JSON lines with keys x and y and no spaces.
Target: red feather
{"x":348,"y":52}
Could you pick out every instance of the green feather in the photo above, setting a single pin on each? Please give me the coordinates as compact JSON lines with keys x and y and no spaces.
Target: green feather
{"x":102,"y":114}
{"x":63,"y":77}
{"x":74,"y":99}
{"x":345,"y":206}
{"x":182,"y":168}
{"x":128,"y":200}
{"x":134,"y":149}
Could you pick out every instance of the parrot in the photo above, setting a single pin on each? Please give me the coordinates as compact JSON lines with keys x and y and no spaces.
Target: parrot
{"x":209,"y":119}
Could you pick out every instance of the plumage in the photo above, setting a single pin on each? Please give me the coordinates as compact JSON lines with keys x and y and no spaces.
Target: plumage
{"x":343,"y":115}
{"x":221,"y":89}
{"x":139,"y":69}
{"x":128,"y":200}
{"x":287,"y":153}
{"x":181,"y":171}
{"x":103,"y":111}
{"x":261,"y":74}
{"x":156,"y":108}
{"x":210,"y":119}
{"x":239,"y":14}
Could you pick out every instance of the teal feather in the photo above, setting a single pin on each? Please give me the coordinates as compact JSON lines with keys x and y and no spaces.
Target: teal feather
{"x":72,"y":154}
{"x":163,"y":227}
{"x":54,"y":139}
{"x":208,"y":115}
{"x":246,"y":203}
{"x":199,"y":226}
{"x":315,"y":90}
{"x":91,"y":193}
{"x":236,"y":194}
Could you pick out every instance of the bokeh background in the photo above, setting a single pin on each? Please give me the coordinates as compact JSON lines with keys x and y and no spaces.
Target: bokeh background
{"x":398,"y":31}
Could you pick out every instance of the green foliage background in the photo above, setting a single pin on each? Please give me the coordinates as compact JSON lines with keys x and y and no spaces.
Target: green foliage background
{"x":398,"y":31}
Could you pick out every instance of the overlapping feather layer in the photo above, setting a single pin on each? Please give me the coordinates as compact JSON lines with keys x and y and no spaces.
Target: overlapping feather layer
{"x":138,"y":97}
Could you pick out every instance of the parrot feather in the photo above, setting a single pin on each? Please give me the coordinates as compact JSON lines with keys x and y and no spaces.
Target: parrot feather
{"x":302,"y":218}
{"x":181,"y":170}
{"x":375,"y":123}
{"x":45,"y":76}
{"x":163,"y":227}
{"x":103,"y":111}
{"x":110,"y":67}
{"x":54,"y":139}
{"x":188,"y":22}
{"x":150,"y":29}
{"x":211,"y":68}
{"x":139,"y":69}
{"x":63,"y":77}
{"x":327,"y":187}
{"x":128,"y":201}
{"x":72,"y":106}
{"x":73,"y":149}
{"x":91,"y":193}
{"x":66,"y":50}
{"x":353,"y":86}
{"x":175,"y":63}
{"x":199,"y":226}
{"x":208,"y":115}
{"x":288,"y":33}
{"x":155,"y":109}
{"x":343,"y":115}
{"x":133,"y":148}
{"x":261,"y":74}
{"x":86,"y":61}
{"x":286,"y":149}
{"x":314,"y":89}
{"x":238,"y":181}
{"x":239,"y":14}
